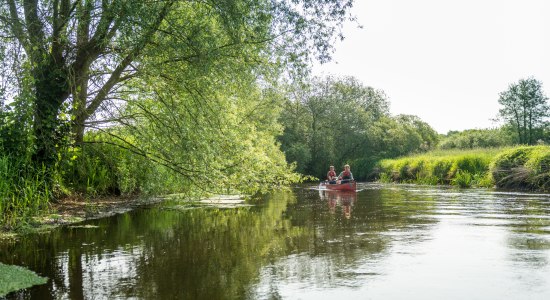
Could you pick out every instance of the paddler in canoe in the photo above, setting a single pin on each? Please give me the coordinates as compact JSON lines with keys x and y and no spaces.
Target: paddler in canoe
{"x":346,"y":175}
{"x":331,"y":175}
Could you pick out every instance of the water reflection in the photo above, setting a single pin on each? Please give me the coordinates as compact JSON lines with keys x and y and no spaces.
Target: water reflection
{"x":432,"y":243}
{"x":344,"y":199}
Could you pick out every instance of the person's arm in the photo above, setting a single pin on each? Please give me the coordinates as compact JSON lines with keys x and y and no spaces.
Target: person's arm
{"x":351,"y":175}
{"x":341,"y":174}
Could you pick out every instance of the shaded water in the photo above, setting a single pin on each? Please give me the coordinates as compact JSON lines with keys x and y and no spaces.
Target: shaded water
{"x":383,"y":242}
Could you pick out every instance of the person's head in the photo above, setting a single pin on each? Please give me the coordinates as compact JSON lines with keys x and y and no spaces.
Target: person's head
{"x":346,"y":167}
{"x":331,"y":168}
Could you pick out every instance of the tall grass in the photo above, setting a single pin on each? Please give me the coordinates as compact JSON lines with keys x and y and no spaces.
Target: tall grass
{"x":462,"y":168}
{"x":523,"y":168}
{"x":89,"y":171}
{"x":23,"y":192}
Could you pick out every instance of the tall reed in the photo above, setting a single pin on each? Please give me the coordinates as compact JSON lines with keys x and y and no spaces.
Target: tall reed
{"x":456,"y":167}
{"x":520,"y":167}
{"x":523,"y":168}
{"x":23,"y":192}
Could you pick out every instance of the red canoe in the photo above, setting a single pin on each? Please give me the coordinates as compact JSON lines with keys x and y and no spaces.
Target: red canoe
{"x":348,"y":186}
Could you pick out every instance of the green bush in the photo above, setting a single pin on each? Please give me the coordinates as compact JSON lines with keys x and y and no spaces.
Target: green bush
{"x":441,"y":168}
{"x":103,"y":169}
{"x":476,"y":138}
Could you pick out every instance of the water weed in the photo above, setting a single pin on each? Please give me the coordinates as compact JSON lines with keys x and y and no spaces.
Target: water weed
{"x":19,"y":278}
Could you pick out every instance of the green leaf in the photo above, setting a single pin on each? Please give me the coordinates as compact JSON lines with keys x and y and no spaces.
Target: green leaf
{"x":14,"y":278}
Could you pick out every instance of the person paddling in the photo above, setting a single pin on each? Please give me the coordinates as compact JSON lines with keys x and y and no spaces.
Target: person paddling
{"x":346,"y":175}
{"x":331,"y":175}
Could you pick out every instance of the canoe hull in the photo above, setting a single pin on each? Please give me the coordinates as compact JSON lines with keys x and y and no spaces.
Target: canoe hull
{"x":348,"y":186}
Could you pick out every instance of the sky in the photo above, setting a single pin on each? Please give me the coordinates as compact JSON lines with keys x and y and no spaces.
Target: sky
{"x":445,"y":61}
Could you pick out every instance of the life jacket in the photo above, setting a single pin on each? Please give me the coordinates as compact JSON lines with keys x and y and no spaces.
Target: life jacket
{"x":331,"y":174}
{"x":346,"y":174}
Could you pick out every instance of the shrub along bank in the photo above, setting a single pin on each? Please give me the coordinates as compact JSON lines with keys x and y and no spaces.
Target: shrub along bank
{"x":522,"y":167}
{"x":88,"y":172}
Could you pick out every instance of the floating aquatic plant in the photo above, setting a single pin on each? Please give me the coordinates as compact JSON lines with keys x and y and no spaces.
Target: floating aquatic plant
{"x":14,"y":278}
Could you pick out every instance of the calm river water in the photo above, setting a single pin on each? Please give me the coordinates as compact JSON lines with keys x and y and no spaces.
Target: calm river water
{"x":383,"y":242}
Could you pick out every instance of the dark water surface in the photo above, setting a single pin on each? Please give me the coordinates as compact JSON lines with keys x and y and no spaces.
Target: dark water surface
{"x":383,"y":242}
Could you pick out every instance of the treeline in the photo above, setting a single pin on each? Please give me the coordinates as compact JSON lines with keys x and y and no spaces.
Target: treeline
{"x":340,"y":120}
{"x":334,"y":121}
{"x":477,"y":138}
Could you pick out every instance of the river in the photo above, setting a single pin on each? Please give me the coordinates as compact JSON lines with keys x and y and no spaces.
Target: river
{"x":383,"y":242}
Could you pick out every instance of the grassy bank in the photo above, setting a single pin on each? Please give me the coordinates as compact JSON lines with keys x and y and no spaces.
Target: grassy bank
{"x":88,"y":174}
{"x":522,"y":167}
{"x":23,"y":192}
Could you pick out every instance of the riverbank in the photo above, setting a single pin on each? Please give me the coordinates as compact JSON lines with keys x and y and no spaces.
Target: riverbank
{"x":71,"y":210}
{"x":519,"y":168}
{"x":74,"y":209}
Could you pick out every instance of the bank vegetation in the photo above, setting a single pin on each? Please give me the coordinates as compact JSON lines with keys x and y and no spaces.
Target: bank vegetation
{"x":518,"y":168}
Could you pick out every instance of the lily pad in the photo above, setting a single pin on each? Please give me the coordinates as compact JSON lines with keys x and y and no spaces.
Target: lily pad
{"x":14,"y":278}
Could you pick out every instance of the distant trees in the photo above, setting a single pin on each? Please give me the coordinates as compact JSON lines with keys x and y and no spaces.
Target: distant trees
{"x":477,"y":138}
{"x":525,"y":109}
{"x":339,"y":120}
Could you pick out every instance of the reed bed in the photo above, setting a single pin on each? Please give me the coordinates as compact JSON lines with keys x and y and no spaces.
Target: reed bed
{"x":23,"y":192}
{"x":521,"y":167}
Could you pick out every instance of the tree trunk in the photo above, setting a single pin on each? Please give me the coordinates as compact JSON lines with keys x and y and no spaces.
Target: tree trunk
{"x":51,"y":91}
{"x":530,"y":127}
{"x":78,"y":130}
{"x":79,"y":107}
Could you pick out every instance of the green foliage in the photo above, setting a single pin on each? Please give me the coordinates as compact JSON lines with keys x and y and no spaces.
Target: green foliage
{"x":461,"y":168}
{"x":523,"y":168}
{"x":74,"y":59}
{"x":100,"y":167}
{"x":14,"y":278}
{"x":16,"y":123}
{"x":462,"y":179}
{"x":525,"y":109}
{"x":477,"y":138}
{"x":173,"y":96}
{"x":23,"y":191}
{"x":334,"y":121}
{"x":220,"y":139}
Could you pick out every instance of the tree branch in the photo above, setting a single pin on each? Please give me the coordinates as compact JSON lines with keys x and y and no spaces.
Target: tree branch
{"x":17,"y":27}
{"x":35,"y":29}
{"x":115,"y":76}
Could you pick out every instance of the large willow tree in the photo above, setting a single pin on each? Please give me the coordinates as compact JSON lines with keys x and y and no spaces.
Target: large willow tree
{"x":96,"y":63}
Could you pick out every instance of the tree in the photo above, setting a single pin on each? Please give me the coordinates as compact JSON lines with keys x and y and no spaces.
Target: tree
{"x":82,"y":54}
{"x":477,"y":138}
{"x":340,"y":120}
{"x":525,"y":109}
{"x":421,"y":136}
{"x":326,"y":122}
